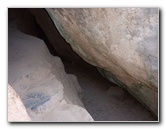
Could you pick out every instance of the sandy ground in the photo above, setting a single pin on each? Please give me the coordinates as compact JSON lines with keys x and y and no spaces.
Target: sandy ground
{"x":104,"y":100}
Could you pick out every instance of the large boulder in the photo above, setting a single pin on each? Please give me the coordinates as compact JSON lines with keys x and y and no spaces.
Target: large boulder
{"x":47,"y":92}
{"x":121,"y":42}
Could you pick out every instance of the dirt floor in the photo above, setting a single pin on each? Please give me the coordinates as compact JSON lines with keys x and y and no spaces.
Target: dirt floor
{"x":104,"y":100}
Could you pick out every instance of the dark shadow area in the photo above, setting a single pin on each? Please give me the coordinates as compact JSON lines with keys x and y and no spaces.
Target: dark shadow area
{"x":28,"y":25}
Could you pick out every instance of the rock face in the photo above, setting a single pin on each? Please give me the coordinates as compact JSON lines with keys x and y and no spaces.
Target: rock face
{"x":16,"y":109}
{"x":48,"y":93}
{"x":121,"y":42}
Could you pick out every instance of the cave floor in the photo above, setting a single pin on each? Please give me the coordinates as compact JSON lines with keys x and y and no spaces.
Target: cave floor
{"x":100,"y":104}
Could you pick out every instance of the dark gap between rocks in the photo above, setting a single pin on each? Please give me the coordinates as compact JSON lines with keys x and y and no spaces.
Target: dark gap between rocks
{"x":104,"y":100}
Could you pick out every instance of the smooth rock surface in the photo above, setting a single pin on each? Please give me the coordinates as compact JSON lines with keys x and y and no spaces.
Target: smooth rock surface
{"x":47,"y":92}
{"x":122,"y":42}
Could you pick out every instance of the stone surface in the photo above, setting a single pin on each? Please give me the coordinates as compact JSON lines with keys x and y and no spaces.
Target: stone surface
{"x":16,"y":110}
{"x":122,"y":42}
{"x":47,"y":92}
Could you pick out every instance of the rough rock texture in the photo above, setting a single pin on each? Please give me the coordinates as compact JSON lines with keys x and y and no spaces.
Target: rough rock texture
{"x":122,"y":42}
{"x":16,"y":110}
{"x":48,"y":93}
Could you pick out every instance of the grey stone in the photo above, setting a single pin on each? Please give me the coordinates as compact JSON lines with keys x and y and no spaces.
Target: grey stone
{"x":123,"y":42}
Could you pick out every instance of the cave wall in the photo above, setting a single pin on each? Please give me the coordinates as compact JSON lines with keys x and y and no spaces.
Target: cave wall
{"x":44,"y":88}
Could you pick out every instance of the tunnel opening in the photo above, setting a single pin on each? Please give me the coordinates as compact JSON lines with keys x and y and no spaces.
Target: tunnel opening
{"x":104,"y":100}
